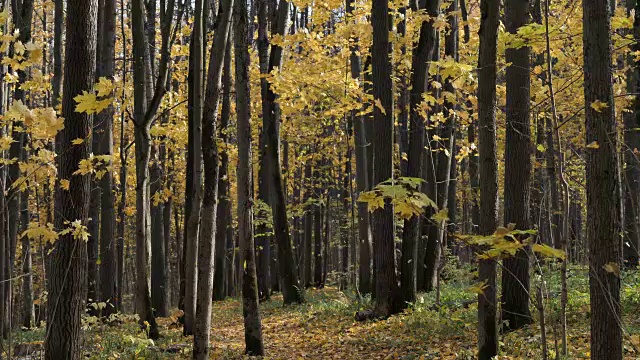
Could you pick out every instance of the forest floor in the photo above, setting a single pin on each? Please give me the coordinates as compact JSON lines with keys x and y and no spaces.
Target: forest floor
{"x":325,"y":327}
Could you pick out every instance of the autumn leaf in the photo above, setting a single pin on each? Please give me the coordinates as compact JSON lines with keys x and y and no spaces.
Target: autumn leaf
{"x":612,"y":267}
{"x":380,"y":107}
{"x":599,"y":105}
{"x":548,"y":251}
{"x":77,"y":141}
{"x":593,"y":145}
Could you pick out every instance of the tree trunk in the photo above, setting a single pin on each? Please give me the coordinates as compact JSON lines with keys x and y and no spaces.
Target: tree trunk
{"x":291,"y":291}
{"x":104,"y":126}
{"x":223,"y":261}
{"x":487,"y":321}
{"x":252,"y":325}
{"x":308,"y":225}
{"x":603,"y":210}
{"x":193,"y":196}
{"x":142,"y":140}
{"x":206,"y":241}
{"x":388,"y":297}
{"x":420,"y":72}
{"x":517,"y":181}
{"x":159,"y":270}
{"x":632,"y":142}
{"x":67,"y":275}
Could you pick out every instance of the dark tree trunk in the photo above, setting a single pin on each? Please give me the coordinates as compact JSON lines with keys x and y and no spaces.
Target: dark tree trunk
{"x":420,"y":72}
{"x":271,"y":117}
{"x":487,"y":300}
{"x":206,"y":241}
{"x":104,"y":130}
{"x":159,"y":270}
{"x":252,"y":325}
{"x":223,"y":263}
{"x":67,"y":275}
{"x":517,"y":181}
{"x":388,"y":297}
{"x":142,"y":154}
{"x":317,"y":229}
{"x":603,"y":212}
{"x":308,"y":225}
{"x":632,"y":142}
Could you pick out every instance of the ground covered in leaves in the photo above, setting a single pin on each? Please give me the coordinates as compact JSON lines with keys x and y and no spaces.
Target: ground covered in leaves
{"x":325,"y":327}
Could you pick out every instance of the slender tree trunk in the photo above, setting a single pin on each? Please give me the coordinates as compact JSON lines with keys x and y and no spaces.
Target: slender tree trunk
{"x":206,"y":241}
{"x":420,"y":72}
{"x":308,"y":225}
{"x":142,"y":139}
{"x":603,"y":210}
{"x":223,"y":262}
{"x":271,"y":117}
{"x":515,"y":272}
{"x":106,"y":68}
{"x":194,"y":173}
{"x":252,"y":324}
{"x":67,"y":275}
{"x":159,"y":270}
{"x":487,"y":300}
{"x":632,"y":141}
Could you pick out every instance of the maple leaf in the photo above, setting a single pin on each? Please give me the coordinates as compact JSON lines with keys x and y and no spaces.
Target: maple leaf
{"x":77,"y":141}
{"x":86,"y":102}
{"x":380,"y":107}
{"x":548,"y":251}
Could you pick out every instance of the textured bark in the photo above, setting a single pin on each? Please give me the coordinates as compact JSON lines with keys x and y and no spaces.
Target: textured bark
{"x":308,"y":226}
{"x":194,"y":170}
{"x":317,"y":229}
{"x":603,"y":212}
{"x":67,"y":276}
{"x":422,"y":53}
{"x":142,"y":140}
{"x":252,"y":325}
{"x":554,"y":193}
{"x":223,"y":258}
{"x":487,"y":153}
{"x":28,"y":310}
{"x":206,"y":241}
{"x":159,"y":270}
{"x":104,"y":131}
{"x":291,"y":291}
{"x":22,"y":12}
{"x":388,"y":297}
{"x":631,"y":143}
{"x":517,"y":181}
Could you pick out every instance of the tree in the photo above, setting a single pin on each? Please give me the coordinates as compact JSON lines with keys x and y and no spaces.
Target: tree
{"x":603,"y":212}
{"x":104,"y":130}
{"x":388,"y":300}
{"x":252,"y":325}
{"x":487,"y":321}
{"x":67,"y":275}
{"x":207,"y":237}
{"x":193,"y":197}
{"x":515,"y":272}
{"x":422,"y":52}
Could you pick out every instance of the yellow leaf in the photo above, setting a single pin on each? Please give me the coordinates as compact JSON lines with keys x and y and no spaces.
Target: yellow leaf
{"x":77,"y":141}
{"x":599,"y":105}
{"x":380,"y":107}
{"x":548,"y":251}
{"x":593,"y":145}
{"x":64,"y":184}
{"x":612,"y":267}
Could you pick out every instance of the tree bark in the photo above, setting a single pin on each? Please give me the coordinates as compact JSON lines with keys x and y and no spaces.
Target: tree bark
{"x":193,"y":196}
{"x":206,"y":240}
{"x":388,"y":297}
{"x":487,"y":153}
{"x":67,"y":275}
{"x":517,"y":181}
{"x":631,"y":120}
{"x":223,"y":258}
{"x":142,"y":140}
{"x":422,"y":53}
{"x":252,"y":324}
{"x":603,"y":212}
